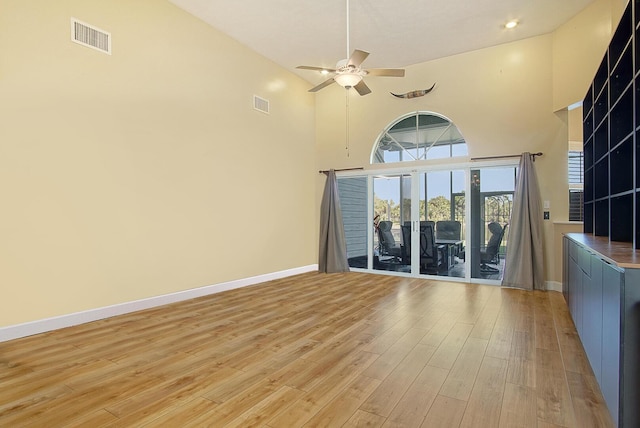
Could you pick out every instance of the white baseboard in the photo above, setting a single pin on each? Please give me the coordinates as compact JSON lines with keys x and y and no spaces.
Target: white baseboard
{"x":55,"y":323}
{"x":553,"y":286}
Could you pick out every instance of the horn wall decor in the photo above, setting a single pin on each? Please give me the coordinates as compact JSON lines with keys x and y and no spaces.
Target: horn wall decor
{"x":414,"y":94}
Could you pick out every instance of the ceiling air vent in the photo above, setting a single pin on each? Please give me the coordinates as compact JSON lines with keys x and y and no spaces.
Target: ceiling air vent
{"x":261,"y":104}
{"x":90,"y":36}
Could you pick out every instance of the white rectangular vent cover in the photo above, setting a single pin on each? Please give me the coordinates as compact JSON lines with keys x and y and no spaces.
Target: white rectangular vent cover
{"x":261,"y":104}
{"x":90,"y":36}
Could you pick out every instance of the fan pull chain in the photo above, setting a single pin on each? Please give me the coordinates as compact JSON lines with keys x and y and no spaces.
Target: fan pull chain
{"x":347,"y":121}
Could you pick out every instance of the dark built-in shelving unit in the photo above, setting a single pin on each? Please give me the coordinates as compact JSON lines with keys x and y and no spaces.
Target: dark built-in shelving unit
{"x":601,"y":279}
{"x":611,"y":126}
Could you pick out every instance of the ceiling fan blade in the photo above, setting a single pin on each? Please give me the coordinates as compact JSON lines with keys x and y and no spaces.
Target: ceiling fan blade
{"x":307,"y":67}
{"x":387,"y":72}
{"x":362,"y":88}
{"x":357,"y":58}
{"x":322,"y":85}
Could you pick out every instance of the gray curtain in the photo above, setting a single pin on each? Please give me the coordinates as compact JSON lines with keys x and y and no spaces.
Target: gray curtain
{"x":333,"y":248}
{"x":524,"y":265}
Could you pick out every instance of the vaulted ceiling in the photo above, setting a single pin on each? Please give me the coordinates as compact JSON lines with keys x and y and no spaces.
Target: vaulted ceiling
{"x":397,"y":33}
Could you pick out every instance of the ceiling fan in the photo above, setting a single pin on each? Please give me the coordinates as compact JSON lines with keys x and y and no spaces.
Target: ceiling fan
{"x":348,"y":73}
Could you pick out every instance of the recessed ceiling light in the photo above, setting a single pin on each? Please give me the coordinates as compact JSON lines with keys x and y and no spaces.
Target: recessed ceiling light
{"x":324,"y":72}
{"x":511,"y":24}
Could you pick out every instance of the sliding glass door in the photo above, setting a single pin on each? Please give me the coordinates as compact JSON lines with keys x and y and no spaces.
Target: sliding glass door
{"x":442,"y":213}
{"x":446,"y":223}
{"x":391,"y":216}
{"x":419,"y":223}
{"x":491,"y":202}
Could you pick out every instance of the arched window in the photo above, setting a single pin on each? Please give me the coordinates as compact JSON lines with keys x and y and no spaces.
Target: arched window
{"x":419,"y":136}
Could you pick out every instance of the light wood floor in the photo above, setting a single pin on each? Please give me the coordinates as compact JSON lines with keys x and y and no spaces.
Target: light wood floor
{"x":313,"y":350}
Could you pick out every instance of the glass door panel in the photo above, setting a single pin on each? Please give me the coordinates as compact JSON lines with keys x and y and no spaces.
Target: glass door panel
{"x":491,"y":204}
{"x":442,"y":219}
{"x":391,"y":211}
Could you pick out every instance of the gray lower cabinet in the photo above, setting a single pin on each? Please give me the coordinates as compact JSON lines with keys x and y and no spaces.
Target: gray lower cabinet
{"x":630,"y":349}
{"x":592,"y":317}
{"x":612,"y":292}
{"x":604,"y":301}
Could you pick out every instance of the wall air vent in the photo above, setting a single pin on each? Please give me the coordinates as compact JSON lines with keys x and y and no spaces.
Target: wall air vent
{"x":261,"y":104}
{"x":90,"y":36}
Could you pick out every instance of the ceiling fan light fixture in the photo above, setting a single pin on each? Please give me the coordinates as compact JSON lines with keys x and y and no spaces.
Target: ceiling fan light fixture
{"x":347,"y":80}
{"x":348,"y":72}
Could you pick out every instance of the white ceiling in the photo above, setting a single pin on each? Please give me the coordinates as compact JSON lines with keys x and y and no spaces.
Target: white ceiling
{"x":397,"y":33}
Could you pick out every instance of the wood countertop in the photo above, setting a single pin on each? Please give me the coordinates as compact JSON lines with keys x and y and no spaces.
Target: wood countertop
{"x":621,"y":254}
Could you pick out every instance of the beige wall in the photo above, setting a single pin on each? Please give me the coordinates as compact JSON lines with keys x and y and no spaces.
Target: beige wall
{"x":500,"y":99}
{"x":575,"y":128}
{"x":578,"y":48}
{"x":148,"y":171}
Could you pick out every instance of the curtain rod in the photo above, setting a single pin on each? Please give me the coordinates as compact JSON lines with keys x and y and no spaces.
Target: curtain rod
{"x":338,"y":170}
{"x":533,"y":157}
